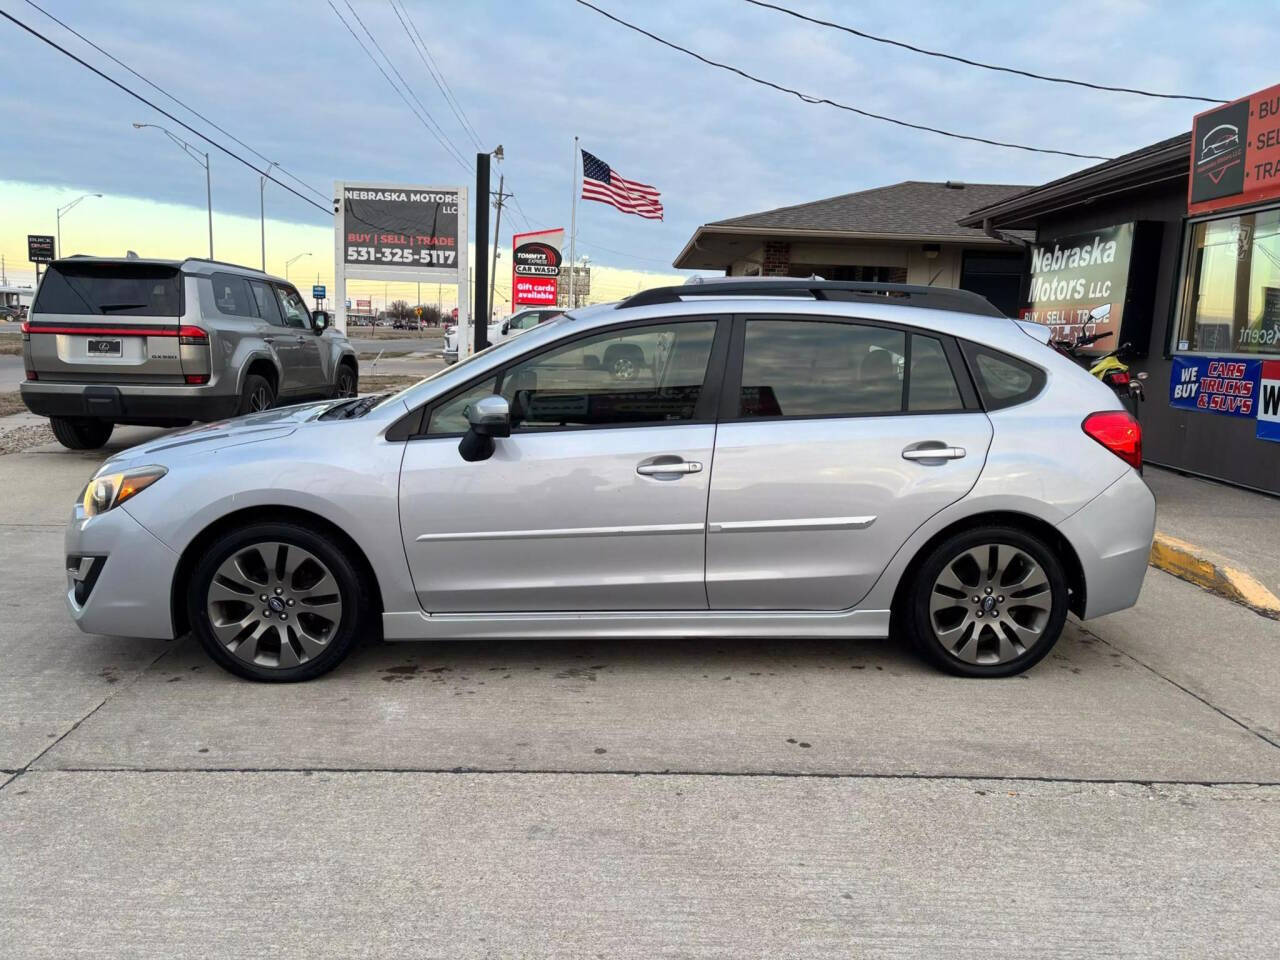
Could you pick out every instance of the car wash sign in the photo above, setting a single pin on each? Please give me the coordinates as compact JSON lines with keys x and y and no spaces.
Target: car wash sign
{"x":1249,"y":389}
{"x":1235,"y":154}
{"x":1078,"y":284}
{"x":535,"y":267}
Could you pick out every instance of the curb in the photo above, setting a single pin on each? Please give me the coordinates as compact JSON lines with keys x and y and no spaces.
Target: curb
{"x":1214,"y":573}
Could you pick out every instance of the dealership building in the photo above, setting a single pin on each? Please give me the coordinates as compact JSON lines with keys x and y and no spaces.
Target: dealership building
{"x":1175,"y":249}
{"x":903,"y":233}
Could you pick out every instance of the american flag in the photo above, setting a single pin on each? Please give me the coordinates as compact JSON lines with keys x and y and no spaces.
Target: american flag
{"x":601,"y":182}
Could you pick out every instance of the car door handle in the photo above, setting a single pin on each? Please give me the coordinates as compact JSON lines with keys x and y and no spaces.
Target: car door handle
{"x":938,"y":452}
{"x":268,"y":339}
{"x":300,"y":339}
{"x":649,"y":469}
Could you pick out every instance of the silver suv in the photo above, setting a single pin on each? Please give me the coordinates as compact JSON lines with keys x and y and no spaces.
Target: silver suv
{"x":795,"y":459}
{"x":168,"y":342}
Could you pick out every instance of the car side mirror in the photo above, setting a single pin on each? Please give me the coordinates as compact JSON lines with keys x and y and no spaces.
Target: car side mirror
{"x":506,"y":328}
{"x":489,"y":417}
{"x":320,"y":321}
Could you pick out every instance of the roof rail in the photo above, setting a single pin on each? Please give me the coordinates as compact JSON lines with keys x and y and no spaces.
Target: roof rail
{"x":902,"y":294}
{"x":225,"y":263}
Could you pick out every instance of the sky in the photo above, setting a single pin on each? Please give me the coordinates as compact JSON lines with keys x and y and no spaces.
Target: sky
{"x":288,"y":79}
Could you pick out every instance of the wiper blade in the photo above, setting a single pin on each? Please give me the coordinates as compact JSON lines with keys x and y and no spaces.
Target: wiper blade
{"x":363,"y":406}
{"x":105,"y":307}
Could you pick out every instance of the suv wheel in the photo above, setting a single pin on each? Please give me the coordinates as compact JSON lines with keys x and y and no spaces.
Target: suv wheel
{"x":348,"y":384}
{"x":276,"y":602}
{"x":257,"y":395}
{"x":989,"y":602}
{"x":81,"y":433}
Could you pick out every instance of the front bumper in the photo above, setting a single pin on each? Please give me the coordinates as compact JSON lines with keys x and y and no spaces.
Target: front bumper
{"x":1112,"y":536}
{"x":119,"y":576}
{"x":160,"y":406}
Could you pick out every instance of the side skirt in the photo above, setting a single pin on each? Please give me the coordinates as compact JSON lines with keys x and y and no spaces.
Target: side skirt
{"x":416,"y":625}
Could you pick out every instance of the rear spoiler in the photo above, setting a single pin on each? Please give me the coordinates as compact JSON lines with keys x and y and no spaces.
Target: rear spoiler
{"x":1036,"y":331}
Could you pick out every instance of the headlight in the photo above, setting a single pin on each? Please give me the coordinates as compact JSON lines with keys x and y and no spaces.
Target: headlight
{"x":112,"y":489}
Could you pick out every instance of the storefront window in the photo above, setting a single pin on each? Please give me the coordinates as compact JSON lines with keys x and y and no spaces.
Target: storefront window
{"x":1231,"y":300}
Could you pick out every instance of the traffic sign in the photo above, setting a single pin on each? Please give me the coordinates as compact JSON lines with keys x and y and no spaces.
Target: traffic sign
{"x":39,"y":248}
{"x":318,"y":291}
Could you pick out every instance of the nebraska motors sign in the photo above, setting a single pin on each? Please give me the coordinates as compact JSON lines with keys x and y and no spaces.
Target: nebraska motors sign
{"x":535,"y":267}
{"x":1235,"y":154}
{"x":1079,"y":284}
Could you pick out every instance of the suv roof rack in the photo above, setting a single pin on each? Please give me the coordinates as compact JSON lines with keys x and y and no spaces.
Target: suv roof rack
{"x":902,"y":294}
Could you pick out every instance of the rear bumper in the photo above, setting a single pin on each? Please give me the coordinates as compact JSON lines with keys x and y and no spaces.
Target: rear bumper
{"x":143,"y":405}
{"x":1112,"y":536}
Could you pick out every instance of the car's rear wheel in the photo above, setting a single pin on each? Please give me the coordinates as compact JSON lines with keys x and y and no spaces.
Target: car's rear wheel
{"x":81,"y":433}
{"x":987,"y":602}
{"x":256,"y":395}
{"x":276,"y":602}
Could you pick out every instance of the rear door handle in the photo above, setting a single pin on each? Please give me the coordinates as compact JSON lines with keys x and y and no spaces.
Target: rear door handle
{"x":668,"y":471}
{"x":268,"y":339}
{"x":938,"y":452}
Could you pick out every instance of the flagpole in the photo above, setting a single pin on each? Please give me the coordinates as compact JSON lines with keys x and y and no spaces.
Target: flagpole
{"x":573,"y":219}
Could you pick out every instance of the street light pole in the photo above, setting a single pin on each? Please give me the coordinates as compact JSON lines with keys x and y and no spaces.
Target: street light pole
{"x":262,"y":213}
{"x":61,"y":210}
{"x":198,"y":157}
{"x":288,"y":263}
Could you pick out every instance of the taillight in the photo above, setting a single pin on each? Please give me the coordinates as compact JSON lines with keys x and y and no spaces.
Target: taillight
{"x":1118,"y":379}
{"x":1119,"y":432}
{"x":192,"y":336}
{"x":32,"y":375}
{"x":197,"y":378}
{"x":26,"y":330}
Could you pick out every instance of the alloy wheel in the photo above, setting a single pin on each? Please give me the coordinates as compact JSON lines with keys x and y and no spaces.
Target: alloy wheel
{"x":274,"y":604}
{"x":990,"y":604}
{"x":346,"y":384}
{"x":259,"y":400}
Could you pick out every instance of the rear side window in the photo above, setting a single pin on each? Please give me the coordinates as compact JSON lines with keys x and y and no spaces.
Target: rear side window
{"x":1003,"y":381}
{"x":265,"y":298}
{"x":231,"y":296}
{"x":111,"y":289}
{"x":931,"y":384}
{"x":797,"y":368}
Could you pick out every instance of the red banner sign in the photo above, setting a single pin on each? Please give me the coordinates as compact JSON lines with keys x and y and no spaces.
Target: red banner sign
{"x":1235,"y":154}
{"x":535,"y":267}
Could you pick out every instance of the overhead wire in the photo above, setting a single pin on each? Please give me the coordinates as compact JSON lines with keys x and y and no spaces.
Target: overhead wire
{"x":442,"y":84}
{"x":808,"y":98}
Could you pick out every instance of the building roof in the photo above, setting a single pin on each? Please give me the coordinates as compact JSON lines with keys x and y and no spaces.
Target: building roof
{"x":914,"y":210}
{"x":1169,"y":159}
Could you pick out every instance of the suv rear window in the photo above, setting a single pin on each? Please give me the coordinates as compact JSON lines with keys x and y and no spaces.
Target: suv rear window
{"x":110,"y":289}
{"x":1003,"y":381}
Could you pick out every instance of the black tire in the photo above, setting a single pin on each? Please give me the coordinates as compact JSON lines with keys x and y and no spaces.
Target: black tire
{"x":353,"y":594}
{"x":348,"y":382}
{"x":929,"y":606}
{"x":81,"y":433}
{"x":257,"y":395}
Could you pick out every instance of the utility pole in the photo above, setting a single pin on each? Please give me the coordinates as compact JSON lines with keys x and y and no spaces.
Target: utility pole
{"x":262,"y":213}
{"x":481,"y":313}
{"x":497,"y":238}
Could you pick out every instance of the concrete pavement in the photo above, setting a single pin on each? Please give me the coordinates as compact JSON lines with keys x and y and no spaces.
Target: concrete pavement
{"x":705,"y":799}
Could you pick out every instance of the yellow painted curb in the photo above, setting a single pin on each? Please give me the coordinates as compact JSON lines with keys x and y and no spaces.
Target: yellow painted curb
{"x":1188,"y":562}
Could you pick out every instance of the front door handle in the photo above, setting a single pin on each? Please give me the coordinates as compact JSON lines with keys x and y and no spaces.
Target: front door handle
{"x":268,"y":339}
{"x":932,"y":450}
{"x":669,"y":470}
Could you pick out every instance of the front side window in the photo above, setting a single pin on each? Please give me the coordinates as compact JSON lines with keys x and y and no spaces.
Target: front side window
{"x":1231,"y":294}
{"x":295,"y":311}
{"x":800,"y":368}
{"x":451,"y":416}
{"x":647,"y":374}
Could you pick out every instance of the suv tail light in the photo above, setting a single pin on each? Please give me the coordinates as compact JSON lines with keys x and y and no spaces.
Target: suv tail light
{"x":26,"y":329}
{"x":192,"y":336}
{"x":1119,"y":432}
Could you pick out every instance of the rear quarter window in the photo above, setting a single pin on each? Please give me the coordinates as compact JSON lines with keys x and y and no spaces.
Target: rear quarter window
{"x":110,"y":289}
{"x":1002,"y":380}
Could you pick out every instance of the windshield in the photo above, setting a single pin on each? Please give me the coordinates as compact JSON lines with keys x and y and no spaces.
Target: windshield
{"x":513,"y":347}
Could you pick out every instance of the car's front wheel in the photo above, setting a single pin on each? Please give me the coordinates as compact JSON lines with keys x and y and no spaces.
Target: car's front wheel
{"x":348,"y":384}
{"x":987,"y":602}
{"x":276,"y":602}
{"x":81,"y":433}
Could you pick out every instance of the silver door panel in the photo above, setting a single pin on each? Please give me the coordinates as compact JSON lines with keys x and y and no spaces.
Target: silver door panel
{"x":805,"y":514}
{"x":558,"y":520}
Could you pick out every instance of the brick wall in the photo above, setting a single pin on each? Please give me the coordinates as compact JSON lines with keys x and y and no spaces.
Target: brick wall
{"x":777,"y":258}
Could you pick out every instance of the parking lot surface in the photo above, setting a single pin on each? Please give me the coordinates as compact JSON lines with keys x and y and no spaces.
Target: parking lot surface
{"x":622,"y":799}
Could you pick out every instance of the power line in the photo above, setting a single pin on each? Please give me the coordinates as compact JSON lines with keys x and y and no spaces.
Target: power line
{"x":440,"y":82}
{"x":977,"y":63}
{"x":447,"y":147}
{"x":189,"y":109}
{"x":833,"y":103}
{"x":160,"y":110}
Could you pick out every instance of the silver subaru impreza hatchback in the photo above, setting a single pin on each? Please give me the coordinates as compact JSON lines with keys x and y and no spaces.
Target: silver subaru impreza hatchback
{"x":790,"y":458}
